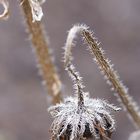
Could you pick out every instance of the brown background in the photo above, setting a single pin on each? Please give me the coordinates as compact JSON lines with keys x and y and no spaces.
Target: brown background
{"x":23,"y":101}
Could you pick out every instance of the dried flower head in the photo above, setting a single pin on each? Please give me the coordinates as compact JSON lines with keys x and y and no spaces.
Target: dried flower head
{"x":93,"y":119}
{"x":80,"y":117}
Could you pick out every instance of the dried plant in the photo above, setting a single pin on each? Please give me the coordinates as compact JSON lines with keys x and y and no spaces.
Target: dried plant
{"x":33,"y":13}
{"x":80,"y":117}
{"x":106,"y":69}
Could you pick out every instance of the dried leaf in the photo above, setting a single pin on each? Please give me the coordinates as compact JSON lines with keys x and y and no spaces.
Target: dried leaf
{"x":5,"y":13}
{"x":36,"y":9}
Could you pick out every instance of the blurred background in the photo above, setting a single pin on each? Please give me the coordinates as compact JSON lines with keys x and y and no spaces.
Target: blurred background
{"x":23,"y":100}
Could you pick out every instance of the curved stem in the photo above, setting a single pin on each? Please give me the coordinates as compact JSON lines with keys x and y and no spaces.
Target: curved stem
{"x":106,"y":68}
{"x":75,"y":76}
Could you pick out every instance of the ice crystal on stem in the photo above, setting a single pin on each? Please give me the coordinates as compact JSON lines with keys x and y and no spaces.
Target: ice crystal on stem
{"x":106,"y":68}
{"x":93,"y":119}
{"x":40,"y":46}
{"x":111,"y":76}
{"x":80,"y":117}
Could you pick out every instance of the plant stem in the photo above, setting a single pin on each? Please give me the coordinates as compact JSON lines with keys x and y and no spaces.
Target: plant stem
{"x":39,"y":41}
{"x":105,"y":67}
{"x":112,"y":77}
{"x":74,"y":75}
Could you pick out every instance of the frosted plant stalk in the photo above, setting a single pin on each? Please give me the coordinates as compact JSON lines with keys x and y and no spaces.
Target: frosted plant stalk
{"x":93,"y":119}
{"x":80,"y":117}
{"x":112,"y":77}
{"x":106,"y":69}
{"x":41,"y":49}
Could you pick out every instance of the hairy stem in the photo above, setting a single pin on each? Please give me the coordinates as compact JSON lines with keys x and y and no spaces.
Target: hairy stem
{"x":39,"y":41}
{"x":106,"y":68}
{"x":77,"y":83}
{"x":112,"y":77}
{"x":75,"y":76}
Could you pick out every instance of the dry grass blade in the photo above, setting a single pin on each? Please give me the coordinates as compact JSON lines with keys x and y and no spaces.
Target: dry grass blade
{"x":39,"y":41}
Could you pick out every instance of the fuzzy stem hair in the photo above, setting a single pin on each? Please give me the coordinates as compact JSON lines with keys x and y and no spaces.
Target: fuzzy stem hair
{"x":40,"y":46}
{"x":75,"y":76}
{"x":105,"y":67}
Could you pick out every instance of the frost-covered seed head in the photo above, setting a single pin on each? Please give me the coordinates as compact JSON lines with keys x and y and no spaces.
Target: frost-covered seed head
{"x":93,"y":120}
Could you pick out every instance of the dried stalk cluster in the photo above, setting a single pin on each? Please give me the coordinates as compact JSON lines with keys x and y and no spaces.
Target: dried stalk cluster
{"x":33,"y":14}
{"x":112,"y":77}
{"x":78,"y":117}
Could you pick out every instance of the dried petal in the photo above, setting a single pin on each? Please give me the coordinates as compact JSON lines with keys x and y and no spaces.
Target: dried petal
{"x":36,"y":9}
{"x":5,"y":13}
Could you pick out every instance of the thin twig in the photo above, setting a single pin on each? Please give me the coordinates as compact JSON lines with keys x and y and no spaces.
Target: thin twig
{"x":40,"y":45}
{"x":104,"y":133}
{"x":75,"y":76}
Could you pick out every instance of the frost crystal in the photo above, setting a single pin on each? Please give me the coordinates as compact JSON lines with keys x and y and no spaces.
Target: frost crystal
{"x":74,"y":123}
{"x":36,"y":9}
